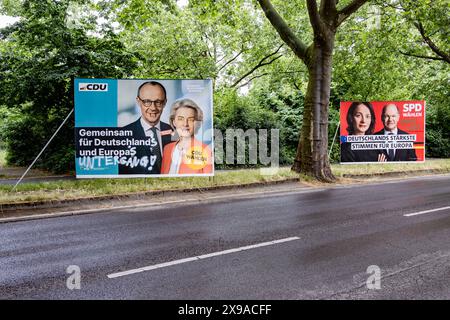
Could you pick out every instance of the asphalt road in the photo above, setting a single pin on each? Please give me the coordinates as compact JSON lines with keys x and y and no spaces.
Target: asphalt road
{"x":13,"y":181}
{"x":341,"y":232}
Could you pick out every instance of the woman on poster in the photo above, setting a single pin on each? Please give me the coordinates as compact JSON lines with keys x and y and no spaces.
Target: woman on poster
{"x":360,"y":121}
{"x":186,"y":155}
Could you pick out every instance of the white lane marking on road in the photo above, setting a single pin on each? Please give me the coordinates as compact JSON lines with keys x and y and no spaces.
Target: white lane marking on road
{"x":204,"y":256}
{"x":426,"y":211}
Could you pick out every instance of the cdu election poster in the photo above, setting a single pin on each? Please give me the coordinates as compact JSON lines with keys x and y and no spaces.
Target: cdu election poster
{"x":382,"y":131}
{"x":143,"y":128}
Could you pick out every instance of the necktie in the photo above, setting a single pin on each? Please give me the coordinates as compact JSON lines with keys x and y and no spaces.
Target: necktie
{"x":391,"y":152}
{"x":155,"y":158}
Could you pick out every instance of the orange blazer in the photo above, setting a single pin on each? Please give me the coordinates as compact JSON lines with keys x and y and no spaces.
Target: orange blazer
{"x":185,"y":168}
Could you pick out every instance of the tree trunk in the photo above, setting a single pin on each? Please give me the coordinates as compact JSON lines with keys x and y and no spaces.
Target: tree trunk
{"x":312,"y":156}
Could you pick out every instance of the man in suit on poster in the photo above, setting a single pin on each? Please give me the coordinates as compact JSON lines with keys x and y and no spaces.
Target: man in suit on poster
{"x":151,"y":98}
{"x":390,"y":117}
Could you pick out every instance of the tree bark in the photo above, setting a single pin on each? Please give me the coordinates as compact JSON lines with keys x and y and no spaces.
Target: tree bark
{"x":312,"y":156}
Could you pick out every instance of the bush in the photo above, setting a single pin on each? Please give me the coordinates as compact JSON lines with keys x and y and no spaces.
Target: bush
{"x":37,"y":78}
{"x":25,"y":136}
{"x":438,"y":132}
{"x":287,"y":105}
{"x":233,"y":111}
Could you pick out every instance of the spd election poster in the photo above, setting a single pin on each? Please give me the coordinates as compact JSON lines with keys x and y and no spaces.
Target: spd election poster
{"x":143,"y":128}
{"x":382,"y":131}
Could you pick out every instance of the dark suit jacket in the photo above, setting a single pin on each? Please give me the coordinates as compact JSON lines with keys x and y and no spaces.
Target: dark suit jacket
{"x":400,"y":154}
{"x":142,"y":151}
{"x":349,"y":155}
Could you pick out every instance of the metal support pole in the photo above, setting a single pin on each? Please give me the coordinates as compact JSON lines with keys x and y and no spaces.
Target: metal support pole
{"x":48,"y":142}
{"x":334,"y":139}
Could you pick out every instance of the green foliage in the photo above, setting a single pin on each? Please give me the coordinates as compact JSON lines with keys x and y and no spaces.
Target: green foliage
{"x":431,"y":15}
{"x":433,"y":88}
{"x":270,"y":105}
{"x":39,"y":58}
{"x":438,"y":132}
{"x":333,"y":137}
{"x":168,"y":44}
{"x":233,"y":111}
{"x":369,"y":64}
{"x":224,"y":40}
{"x":6,"y":115}
{"x":286,"y":102}
{"x":267,"y":106}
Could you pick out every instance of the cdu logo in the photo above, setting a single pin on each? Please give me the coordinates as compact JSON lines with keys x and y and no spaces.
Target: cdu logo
{"x":93,"y":87}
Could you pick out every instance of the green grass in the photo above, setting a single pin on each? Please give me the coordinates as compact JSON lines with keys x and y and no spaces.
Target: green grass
{"x":72,"y":189}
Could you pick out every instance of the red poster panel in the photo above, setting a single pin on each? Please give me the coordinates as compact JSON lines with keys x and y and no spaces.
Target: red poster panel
{"x":382,"y":131}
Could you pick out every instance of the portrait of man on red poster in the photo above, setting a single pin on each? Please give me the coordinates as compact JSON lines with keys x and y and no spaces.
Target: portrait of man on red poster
{"x":382,"y":131}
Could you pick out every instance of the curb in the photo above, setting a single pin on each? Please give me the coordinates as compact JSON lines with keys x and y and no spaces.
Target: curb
{"x":43,"y":204}
{"x":396,"y":173}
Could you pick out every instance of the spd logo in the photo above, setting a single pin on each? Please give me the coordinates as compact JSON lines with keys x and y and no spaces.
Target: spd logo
{"x":93,"y":87}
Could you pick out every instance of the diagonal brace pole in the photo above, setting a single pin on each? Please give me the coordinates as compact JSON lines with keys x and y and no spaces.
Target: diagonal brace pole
{"x":40,"y":153}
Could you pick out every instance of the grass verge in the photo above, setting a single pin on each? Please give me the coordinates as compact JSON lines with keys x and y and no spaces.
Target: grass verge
{"x":73,"y":189}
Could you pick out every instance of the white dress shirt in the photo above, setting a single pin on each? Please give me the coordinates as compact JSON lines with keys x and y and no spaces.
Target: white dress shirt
{"x":393,"y":132}
{"x":147,"y":129}
{"x":177,"y":156}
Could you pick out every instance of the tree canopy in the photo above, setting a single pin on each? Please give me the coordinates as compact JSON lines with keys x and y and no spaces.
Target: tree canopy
{"x":384,"y":50}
